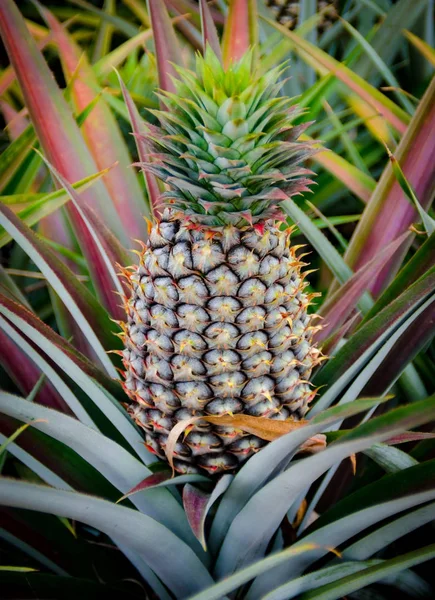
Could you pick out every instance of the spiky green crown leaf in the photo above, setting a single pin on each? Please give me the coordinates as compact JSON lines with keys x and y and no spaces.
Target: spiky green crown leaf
{"x":226,"y":146}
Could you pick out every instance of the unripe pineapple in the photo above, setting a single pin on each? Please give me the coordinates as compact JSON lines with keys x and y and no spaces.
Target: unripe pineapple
{"x":217,"y":317}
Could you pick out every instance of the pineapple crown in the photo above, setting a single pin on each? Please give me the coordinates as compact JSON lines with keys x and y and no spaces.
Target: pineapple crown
{"x":226,"y":146}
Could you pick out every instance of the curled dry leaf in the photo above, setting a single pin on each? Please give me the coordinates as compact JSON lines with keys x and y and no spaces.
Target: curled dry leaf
{"x":353,"y":463}
{"x":300,"y":514}
{"x":262,"y":427}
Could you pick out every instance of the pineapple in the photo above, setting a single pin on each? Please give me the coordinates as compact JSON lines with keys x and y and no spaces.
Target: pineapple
{"x":218,"y":320}
{"x":287,"y":13}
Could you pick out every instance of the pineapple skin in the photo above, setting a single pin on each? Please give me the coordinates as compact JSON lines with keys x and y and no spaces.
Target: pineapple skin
{"x":217,"y":325}
{"x":217,"y":315}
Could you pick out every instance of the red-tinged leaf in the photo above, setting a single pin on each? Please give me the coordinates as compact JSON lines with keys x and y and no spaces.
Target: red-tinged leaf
{"x":166,"y":44}
{"x":101,"y":131}
{"x":370,"y":331}
{"x":186,"y":20}
{"x":113,"y":247}
{"x":331,"y":343}
{"x":163,"y":479}
{"x":64,"y":346}
{"x":323,"y":63}
{"x":140,"y":132}
{"x":389,"y":213}
{"x":8,"y":75}
{"x":198,"y":503}
{"x":25,"y":374}
{"x":240,"y":32}
{"x":60,"y":138}
{"x":190,"y":7}
{"x":92,"y":319}
{"x":195,"y":503}
{"x":16,"y":122}
{"x":209,"y":33}
{"x":427,"y":221}
{"x":358,"y":182}
{"x":409,"y":436}
{"x":54,"y":124}
{"x":422,"y":261}
{"x":405,"y":350}
{"x":148,"y":482}
{"x":115,"y":282}
{"x":337,"y":308}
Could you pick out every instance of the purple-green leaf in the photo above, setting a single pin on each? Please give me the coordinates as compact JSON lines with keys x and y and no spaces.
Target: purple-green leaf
{"x":140,"y":132}
{"x":166,"y":44}
{"x":337,"y":308}
{"x":409,"y":436}
{"x":389,"y":213}
{"x":209,"y":33}
{"x":405,"y":349}
{"x":371,"y":330}
{"x":92,"y":319}
{"x":103,"y":255}
{"x":198,"y":503}
{"x":25,"y":374}
{"x":85,"y":365}
{"x":60,"y":139}
{"x":195,"y":502}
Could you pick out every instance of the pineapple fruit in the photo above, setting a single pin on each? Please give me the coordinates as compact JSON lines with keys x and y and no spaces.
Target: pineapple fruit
{"x":217,"y":316}
{"x":287,"y":13}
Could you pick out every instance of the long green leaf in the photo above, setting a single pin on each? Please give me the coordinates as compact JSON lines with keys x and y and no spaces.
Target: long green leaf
{"x":39,"y":362}
{"x":166,"y":45}
{"x":111,"y":460}
{"x":356,"y":513}
{"x":387,"y":39}
{"x":371,"y":334}
{"x":54,"y":480}
{"x":351,"y":583}
{"x":44,"y":205}
{"x":184,"y":574}
{"x":384,"y":536}
{"x":69,"y":364}
{"x":244,"y":575}
{"x":259,"y":468}
{"x":13,"y":155}
{"x":379,"y":64}
{"x":275,"y":498}
{"x":324,"y":63}
{"x":84,"y":308}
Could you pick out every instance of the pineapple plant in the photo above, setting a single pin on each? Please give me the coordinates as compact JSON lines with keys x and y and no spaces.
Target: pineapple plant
{"x":218,"y":319}
{"x":88,"y":504}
